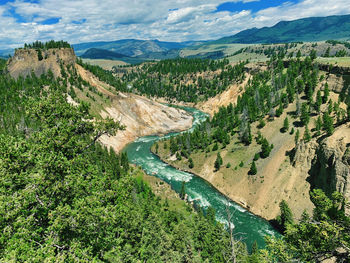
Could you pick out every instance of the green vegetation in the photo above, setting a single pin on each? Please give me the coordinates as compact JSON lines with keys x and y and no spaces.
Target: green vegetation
{"x":218,"y":162}
{"x":266,"y":96}
{"x":48,"y":45}
{"x":253,"y":170}
{"x":314,"y":239}
{"x":64,"y":197}
{"x":181,"y":80}
{"x":104,"y":75}
{"x":313,"y":28}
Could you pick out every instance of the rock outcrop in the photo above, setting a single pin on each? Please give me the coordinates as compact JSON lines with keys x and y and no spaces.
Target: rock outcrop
{"x":26,"y":61}
{"x":328,"y":162}
{"x":140,"y":115}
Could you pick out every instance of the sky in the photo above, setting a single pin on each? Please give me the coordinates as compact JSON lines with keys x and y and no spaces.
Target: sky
{"x":78,"y":21}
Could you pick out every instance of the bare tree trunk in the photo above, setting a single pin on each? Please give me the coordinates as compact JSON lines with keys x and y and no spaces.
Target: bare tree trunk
{"x":233,"y":252}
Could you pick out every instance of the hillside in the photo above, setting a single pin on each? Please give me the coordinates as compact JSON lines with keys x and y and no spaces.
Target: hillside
{"x":228,"y":134}
{"x":66,"y":198}
{"x":306,"y":29}
{"x":278,"y":131}
{"x":133,"y":47}
{"x":97,"y":53}
{"x":141,"y":116}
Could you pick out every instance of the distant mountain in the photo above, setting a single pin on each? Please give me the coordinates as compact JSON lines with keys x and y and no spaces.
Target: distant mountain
{"x":133,"y":47}
{"x":306,"y":29}
{"x":98,"y":53}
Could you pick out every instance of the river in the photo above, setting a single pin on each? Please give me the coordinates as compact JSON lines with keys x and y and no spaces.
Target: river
{"x":246,"y":225}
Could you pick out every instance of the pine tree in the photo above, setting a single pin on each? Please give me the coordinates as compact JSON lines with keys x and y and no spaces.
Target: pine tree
{"x":296,"y":137}
{"x":318,"y":125}
{"x":190,"y":163}
{"x":328,"y":123}
{"x":325,"y":93}
{"x":307,"y":135}
{"x":285,"y":125}
{"x":286,"y":216}
{"x":218,"y":162}
{"x":305,"y":117}
{"x":265,"y":148}
{"x":253,"y":170}
{"x":183,"y":190}
{"x":318,"y":101}
{"x":40,"y":55}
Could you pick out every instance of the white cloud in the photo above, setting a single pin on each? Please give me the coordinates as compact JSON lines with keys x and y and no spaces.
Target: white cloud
{"x":171,"y":20}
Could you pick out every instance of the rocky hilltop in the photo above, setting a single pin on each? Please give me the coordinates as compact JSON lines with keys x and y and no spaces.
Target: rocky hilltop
{"x":26,"y":61}
{"x":140,"y":115}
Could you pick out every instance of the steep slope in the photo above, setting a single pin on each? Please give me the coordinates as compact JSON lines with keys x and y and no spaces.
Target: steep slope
{"x":321,"y":163}
{"x":230,"y":95}
{"x":306,"y":29}
{"x":26,"y":61}
{"x":141,"y":116}
{"x":328,"y":162}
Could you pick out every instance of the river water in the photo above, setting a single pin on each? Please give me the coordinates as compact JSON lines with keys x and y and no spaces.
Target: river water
{"x":246,"y":225}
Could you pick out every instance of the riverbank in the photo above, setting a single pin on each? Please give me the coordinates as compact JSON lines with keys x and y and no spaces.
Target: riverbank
{"x":249,"y":227}
{"x":238,"y":201}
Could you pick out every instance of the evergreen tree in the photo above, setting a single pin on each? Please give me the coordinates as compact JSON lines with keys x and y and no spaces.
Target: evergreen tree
{"x":328,"y":123}
{"x":190,"y":163}
{"x":286,"y":216}
{"x":318,"y":125}
{"x":305,"y":115}
{"x":265,"y":148}
{"x":253,"y":170}
{"x":183,"y":190}
{"x":285,"y":125}
{"x":40,"y":55}
{"x":307,"y":135}
{"x":296,"y":137}
{"x":218,"y":162}
{"x":318,"y":101}
{"x":325,"y":93}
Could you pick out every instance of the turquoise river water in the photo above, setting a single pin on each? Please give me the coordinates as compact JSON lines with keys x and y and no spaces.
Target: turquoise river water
{"x":246,"y":225}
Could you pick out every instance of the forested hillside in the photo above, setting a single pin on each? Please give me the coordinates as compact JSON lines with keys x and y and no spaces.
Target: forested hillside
{"x":64,"y":197}
{"x":305,"y":29}
{"x":188,"y":80}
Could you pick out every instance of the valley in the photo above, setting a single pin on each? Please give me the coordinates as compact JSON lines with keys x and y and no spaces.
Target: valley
{"x":227,"y":150}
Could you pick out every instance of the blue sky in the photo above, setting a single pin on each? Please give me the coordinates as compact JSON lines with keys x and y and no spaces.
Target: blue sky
{"x":79,"y":21}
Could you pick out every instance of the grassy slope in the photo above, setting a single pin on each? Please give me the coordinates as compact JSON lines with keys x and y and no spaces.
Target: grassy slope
{"x":104,"y":63}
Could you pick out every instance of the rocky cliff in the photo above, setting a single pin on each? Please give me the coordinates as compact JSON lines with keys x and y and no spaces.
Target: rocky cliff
{"x":140,"y":115}
{"x":328,"y":162}
{"x":26,"y":61}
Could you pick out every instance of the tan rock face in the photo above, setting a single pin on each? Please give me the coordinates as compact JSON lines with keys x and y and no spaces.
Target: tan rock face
{"x":26,"y":61}
{"x":142,"y":117}
{"x":328,"y":162}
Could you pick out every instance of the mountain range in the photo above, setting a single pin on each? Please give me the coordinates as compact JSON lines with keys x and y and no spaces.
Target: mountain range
{"x":307,"y":29}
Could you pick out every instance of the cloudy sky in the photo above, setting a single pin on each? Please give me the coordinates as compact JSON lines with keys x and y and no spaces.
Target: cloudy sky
{"x":79,"y":21}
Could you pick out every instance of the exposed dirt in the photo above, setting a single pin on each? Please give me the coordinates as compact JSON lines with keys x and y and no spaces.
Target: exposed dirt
{"x":26,"y":61}
{"x":140,"y":115}
{"x":230,"y":95}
